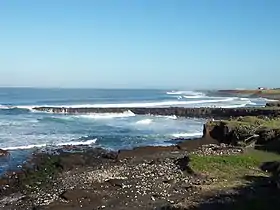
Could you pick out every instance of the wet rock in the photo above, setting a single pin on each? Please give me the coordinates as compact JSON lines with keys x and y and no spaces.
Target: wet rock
{"x":110,"y":155}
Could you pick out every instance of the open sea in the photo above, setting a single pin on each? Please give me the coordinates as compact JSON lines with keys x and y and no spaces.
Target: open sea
{"x":22,"y":129}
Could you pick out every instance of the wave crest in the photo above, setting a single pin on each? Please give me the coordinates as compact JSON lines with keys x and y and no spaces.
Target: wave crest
{"x":109,"y":115}
{"x":71,"y":143}
{"x":144,"y":122}
{"x":185,"y":92}
{"x":182,"y":135}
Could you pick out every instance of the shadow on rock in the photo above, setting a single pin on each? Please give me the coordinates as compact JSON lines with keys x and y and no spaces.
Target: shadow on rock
{"x":272,"y":146}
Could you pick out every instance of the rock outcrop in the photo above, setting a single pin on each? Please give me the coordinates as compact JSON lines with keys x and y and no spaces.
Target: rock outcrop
{"x":244,"y":131}
{"x":273,"y":104}
{"x":217,"y":113}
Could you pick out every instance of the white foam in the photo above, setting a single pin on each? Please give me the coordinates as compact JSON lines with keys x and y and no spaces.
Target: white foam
{"x":108,"y":115}
{"x":232,"y":106}
{"x":25,"y":147}
{"x":190,"y":95}
{"x":197,"y":96}
{"x":185,"y":92}
{"x":4,"y":107}
{"x":144,"y":122}
{"x":173,"y":117}
{"x":74,"y":143}
{"x":270,"y":100}
{"x":244,"y":99}
{"x":183,"y":135}
{"x":252,"y":103}
{"x":25,"y":107}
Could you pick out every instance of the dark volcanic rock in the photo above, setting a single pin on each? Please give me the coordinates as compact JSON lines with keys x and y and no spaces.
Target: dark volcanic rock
{"x":232,"y":133}
{"x":183,"y":164}
{"x":273,"y":104}
{"x":148,"y":150}
{"x":178,"y":111}
{"x":268,"y":135}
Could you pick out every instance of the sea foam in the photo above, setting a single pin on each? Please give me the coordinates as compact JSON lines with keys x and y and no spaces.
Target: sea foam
{"x":74,"y":143}
{"x":108,"y":115}
{"x":144,"y":122}
{"x":183,"y":135}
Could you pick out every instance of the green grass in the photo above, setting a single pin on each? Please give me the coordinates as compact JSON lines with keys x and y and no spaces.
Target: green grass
{"x":232,"y":167}
{"x":251,"y":121}
{"x":230,"y":170}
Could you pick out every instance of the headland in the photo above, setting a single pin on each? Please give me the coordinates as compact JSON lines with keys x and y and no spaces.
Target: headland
{"x":270,"y":93}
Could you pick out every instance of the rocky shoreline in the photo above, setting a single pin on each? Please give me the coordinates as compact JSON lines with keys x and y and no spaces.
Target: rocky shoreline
{"x":143,"y":178}
{"x":146,"y":177}
{"x":175,"y":177}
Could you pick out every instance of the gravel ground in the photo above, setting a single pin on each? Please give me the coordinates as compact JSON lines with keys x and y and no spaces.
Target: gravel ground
{"x":148,"y":180}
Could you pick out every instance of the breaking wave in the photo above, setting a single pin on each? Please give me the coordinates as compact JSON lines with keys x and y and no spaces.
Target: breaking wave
{"x":4,"y":107}
{"x":184,"y":135}
{"x":186,"y":92}
{"x":144,"y":122}
{"x":140,"y":105}
{"x":108,"y":115}
{"x":31,"y":146}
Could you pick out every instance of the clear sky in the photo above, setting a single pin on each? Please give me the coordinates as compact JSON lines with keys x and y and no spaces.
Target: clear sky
{"x":140,"y":43}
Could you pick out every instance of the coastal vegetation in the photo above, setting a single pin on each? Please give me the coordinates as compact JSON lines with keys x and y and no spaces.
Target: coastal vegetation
{"x":240,"y":185}
{"x":230,"y":169}
{"x":257,"y":122}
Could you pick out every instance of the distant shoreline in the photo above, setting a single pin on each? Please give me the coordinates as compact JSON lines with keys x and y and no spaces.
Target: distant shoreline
{"x":261,"y":92}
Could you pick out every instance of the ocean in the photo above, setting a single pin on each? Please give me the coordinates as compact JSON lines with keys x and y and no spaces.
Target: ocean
{"x":23,"y":129}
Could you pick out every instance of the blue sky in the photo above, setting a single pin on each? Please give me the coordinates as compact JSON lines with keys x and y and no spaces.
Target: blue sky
{"x":140,"y":44}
